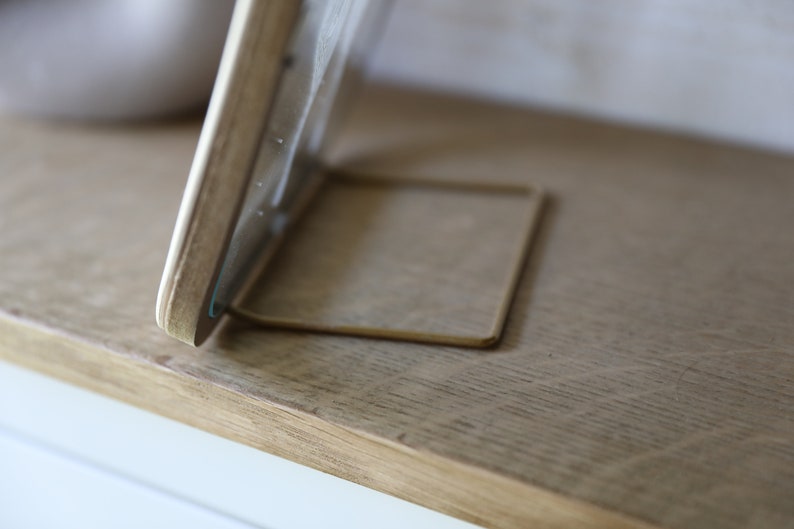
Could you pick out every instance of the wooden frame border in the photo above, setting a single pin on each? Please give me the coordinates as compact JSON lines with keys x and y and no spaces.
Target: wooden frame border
{"x":242,"y":98}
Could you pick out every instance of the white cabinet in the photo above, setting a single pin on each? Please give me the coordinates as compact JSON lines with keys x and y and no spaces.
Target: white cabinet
{"x":70,"y":458}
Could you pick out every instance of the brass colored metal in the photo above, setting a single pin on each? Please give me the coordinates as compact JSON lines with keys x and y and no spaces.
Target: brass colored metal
{"x":287,"y":285}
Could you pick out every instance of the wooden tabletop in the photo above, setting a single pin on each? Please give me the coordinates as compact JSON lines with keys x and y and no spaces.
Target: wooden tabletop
{"x":646,"y":376}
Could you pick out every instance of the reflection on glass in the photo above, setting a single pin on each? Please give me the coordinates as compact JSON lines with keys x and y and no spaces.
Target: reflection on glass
{"x":330,"y":39}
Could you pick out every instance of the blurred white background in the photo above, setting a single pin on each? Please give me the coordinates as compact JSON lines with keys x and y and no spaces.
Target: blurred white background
{"x":717,"y":68}
{"x":109,"y":58}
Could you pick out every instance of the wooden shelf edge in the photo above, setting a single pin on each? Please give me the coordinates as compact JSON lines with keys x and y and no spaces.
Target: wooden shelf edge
{"x":450,"y":487}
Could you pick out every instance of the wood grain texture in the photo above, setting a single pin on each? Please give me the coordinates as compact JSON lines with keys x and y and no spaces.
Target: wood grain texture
{"x":647,"y":368}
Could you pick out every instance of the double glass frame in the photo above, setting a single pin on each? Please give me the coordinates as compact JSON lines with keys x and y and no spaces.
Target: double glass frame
{"x":287,"y":70}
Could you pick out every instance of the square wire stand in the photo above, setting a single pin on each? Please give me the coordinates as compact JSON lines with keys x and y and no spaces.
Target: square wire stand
{"x":423,"y":261}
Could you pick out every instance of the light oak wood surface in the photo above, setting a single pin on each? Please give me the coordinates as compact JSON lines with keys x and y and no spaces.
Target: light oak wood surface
{"x":646,"y":375}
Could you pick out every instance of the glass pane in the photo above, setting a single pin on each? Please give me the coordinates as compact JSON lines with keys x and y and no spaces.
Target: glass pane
{"x":325,"y":52}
